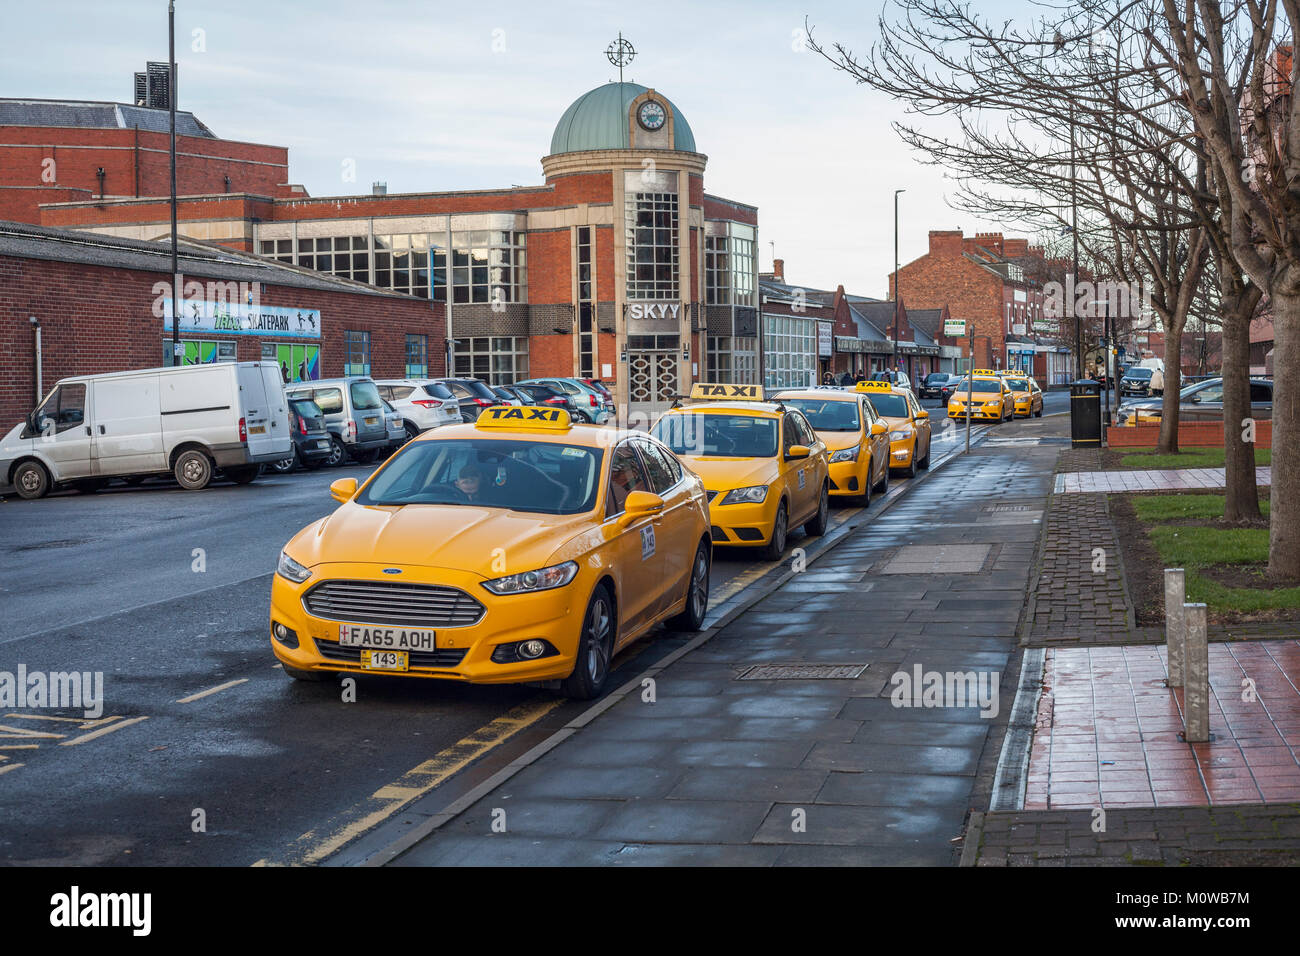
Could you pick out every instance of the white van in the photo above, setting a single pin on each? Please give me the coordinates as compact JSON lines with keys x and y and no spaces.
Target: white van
{"x":190,"y":421}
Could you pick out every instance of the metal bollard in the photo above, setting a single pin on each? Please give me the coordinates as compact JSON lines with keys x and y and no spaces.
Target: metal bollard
{"x":1196,"y":695}
{"x":1175,"y":625}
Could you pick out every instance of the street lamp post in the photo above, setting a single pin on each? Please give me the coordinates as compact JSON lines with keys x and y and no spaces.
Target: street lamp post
{"x":171,"y":126}
{"x":896,"y":298}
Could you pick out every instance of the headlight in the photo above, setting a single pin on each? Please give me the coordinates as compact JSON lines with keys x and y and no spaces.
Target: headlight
{"x":753,"y":495}
{"x":846,"y":454}
{"x":899,"y":434}
{"x":544,"y":579}
{"x":291,"y":569}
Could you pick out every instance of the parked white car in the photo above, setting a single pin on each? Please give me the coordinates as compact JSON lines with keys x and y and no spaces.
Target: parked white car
{"x":422,"y":403}
{"x":190,"y":420}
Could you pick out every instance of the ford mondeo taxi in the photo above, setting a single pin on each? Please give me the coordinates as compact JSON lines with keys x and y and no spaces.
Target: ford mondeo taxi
{"x":763,"y":465}
{"x":909,"y":425}
{"x":988,"y":397}
{"x":519,"y":547}
{"x":1027,"y":397}
{"x":856,"y":438}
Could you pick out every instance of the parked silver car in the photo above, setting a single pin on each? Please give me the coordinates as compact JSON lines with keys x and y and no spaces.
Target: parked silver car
{"x":422,"y":402}
{"x":354,"y":415}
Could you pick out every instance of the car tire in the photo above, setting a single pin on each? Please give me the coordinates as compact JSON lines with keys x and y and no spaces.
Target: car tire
{"x":244,"y":474}
{"x":583,"y":418}
{"x":697,"y":592}
{"x":929,"y":447}
{"x":31,"y":480}
{"x":193,"y":470}
{"x":315,"y":677}
{"x":816,"y":525}
{"x":411,"y":430}
{"x":864,"y":500}
{"x":1039,"y":413}
{"x":285,"y":465}
{"x":595,"y":648}
{"x":883,"y":487}
{"x":338,"y":453}
{"x":775,"y":549}
{"x":910,"y":470}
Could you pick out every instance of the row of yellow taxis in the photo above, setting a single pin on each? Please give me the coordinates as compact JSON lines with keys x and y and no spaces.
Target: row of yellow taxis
{"x":523,"y":547}
{"x":999,"y":396}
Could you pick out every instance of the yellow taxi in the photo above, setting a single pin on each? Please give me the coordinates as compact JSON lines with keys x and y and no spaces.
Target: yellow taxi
{"x":856,"y":438}
{"x":1027,"y":397}
{"x":992,"y":399}
{"x":909,"y":424}
{"x":519,"y":547}
{"x":763,"y":465}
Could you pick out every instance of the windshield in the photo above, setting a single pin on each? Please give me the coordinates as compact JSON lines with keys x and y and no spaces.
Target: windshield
{"x":981,"y":385}
{"x":1018,"y":384}
{"x":1138,"y":373}
{"x":307,"y":408}
{"x":478,"y":389}
{"x":934,"y":378}
{"x":531,"y":476}
{"x":827,"y":416}
{"x":718,"y":435}
{"x":365,"y":396}
{"x":890,"y":406}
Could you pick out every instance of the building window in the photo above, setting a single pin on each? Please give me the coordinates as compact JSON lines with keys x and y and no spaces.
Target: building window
{"x":281,"y":250}
{"x":498,"y":360}
{"x":489,"y":266}
{"x":411,"y":263}
{"x":717,"y":273}
{"x":732,"y":360}
{"x":356,"y":353}
{"x":347,"y":257}
{"x":586,"y":305}
{"x":298,"y":363}
{"x":651,"y":227}
{"x":417,"y":356}
{"x":789,"y":352}
{"x":198,"y":352}
{"x":729,"y":264}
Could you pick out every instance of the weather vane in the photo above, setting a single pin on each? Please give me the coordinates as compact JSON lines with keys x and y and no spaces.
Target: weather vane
{"x":620,"y":53}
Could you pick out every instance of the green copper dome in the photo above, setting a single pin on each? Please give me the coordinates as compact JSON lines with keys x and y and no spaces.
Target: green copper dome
{"x":598,"y":120}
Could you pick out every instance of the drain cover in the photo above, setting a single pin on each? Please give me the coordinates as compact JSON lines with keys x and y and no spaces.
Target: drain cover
{"x":803,"y":672}
{"x":992,"y":508}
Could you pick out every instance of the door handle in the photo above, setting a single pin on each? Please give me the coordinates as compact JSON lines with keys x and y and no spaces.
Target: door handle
{"x":101,"y":429}
{"x":88,"y":431}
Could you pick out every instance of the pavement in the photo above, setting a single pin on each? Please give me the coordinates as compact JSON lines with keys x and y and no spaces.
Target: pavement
{"x":853,"y":716}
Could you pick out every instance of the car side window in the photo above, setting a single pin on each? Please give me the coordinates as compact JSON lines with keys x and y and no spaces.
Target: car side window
{"x":805,"y":431}
{"x":385,"y":391}
{"x":67,"y":407}
{"x":459,"y":390}
{"x":626,"y":475}
{"x":789,"y":434}
{"x":660,"y":472}
{"x":868,"y":412}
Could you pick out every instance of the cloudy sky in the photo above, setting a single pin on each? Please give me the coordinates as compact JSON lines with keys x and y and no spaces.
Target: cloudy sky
{"x":437,"y":96}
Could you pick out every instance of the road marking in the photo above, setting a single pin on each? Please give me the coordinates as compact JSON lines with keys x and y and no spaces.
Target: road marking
{"x":314,"y":846}
{"x":212,"y":690}
{"x":101,"y":732}
{"x":83,"y":723}
{"x":22,"y":734}
{"x":17,"y":747}
{"x":12,"y":766}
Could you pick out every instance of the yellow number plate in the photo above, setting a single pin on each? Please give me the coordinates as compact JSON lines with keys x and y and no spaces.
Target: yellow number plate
{"x":384,"y":660}
{"x":257,"y":430}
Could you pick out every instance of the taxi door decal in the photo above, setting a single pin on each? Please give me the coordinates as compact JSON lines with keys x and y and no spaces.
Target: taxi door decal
{"x":647,"y":542}
{"x":802,"y":479}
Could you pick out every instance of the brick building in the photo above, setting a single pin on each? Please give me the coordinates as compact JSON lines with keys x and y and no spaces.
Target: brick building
{"x":619,"y":266}
{"x":983,"y":280}
{"x":103,"y":305}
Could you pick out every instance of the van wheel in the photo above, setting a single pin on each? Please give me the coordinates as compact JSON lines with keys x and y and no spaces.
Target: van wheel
{"x":697,"y":593}
{"x":338,"y":454}
{"x":244,"y":474}
{"x":31,"y":480}
{"x":193,"y":470}
{"x":595,"y":649}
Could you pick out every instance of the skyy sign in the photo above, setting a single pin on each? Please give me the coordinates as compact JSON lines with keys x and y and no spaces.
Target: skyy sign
{"x":652,"y":317}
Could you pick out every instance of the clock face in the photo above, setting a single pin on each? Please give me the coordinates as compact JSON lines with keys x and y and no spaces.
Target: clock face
{"x":651,"y":115}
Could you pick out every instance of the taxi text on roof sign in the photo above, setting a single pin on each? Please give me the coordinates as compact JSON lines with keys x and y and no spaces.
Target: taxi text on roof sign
{"x":515,"y":416}
{"x":983,"y":371}
{"x":746,"y":393}
{"x":875,"y":386}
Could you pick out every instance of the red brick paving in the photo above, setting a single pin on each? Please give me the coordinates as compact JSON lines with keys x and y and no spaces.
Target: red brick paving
{"x":1107,"y":730}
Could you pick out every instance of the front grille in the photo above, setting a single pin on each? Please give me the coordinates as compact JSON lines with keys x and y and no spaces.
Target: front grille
{"x":379,"y":602}
{"x":443,"y":657}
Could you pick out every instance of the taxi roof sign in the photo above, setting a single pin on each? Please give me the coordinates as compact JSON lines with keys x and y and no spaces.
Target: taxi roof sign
{"x":740,"y":393}
{"x":880,"y":386}
{"x":524,"y":416}
{"x":984,"y":371}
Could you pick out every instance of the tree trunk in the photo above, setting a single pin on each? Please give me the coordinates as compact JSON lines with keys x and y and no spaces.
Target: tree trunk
{"x":1241,"y":501}
{"x":1284,"y":497}
{"x":1167,"y":443}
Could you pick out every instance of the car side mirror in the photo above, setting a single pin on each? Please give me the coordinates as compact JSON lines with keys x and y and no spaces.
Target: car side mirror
{"x":922,"y":414}
{"x":797,"y":451}
{"x":638,"y":505}
{"x":343,"y":489}
{"x":879,"y":428}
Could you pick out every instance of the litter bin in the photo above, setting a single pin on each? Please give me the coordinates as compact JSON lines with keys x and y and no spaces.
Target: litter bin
{"x":1085,"y":414}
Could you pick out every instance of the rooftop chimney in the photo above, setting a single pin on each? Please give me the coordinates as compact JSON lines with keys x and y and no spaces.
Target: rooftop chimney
{"x":778,"y":269}
{"x":151,"y":86}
